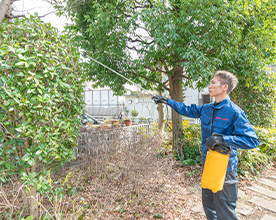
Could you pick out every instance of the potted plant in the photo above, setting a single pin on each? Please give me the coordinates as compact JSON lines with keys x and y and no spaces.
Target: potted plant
{"x":106,"y":124}
{"x":115,"y":121}
{"x":127,"y":121}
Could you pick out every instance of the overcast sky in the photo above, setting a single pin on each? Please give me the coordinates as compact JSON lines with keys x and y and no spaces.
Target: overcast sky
{"x":42,"y":8}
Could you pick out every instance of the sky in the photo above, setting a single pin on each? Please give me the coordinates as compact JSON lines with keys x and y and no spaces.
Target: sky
{"x":41,"y":7}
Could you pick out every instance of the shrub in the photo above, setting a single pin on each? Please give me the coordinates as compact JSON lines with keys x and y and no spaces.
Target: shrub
{"x":142,"y":119}
{"x":41,"y":101}
{"x":259,"y":105}
{"x":253,"y":160}
{"x":190,"y":143}
{"x":267,"y":137}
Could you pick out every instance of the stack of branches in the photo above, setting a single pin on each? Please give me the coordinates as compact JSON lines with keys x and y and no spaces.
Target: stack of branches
{"x":118,"y":174}
{"x":120,"y":177}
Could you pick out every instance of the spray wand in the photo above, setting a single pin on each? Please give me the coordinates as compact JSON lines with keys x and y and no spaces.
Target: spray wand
{"x":122,"y":76}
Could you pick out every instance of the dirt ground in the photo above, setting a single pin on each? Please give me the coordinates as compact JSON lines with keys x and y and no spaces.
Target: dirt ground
{"x":180,"y":194}
{"x":136,"y":185}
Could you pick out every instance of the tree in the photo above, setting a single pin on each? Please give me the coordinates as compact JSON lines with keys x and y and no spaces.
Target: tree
{"x":40,"y":102}
{"x":259,"y":105}
{"x":183,"y":40}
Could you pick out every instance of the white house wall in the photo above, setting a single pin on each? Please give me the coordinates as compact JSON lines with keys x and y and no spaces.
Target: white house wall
{"x":102,"y":103}
{"x":143,"y":104}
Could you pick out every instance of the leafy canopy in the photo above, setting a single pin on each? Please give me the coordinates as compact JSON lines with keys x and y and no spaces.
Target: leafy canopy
{"x":148,"y":40}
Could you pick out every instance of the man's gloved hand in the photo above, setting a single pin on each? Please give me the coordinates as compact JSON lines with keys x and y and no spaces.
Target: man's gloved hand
{"x":213,"y":141}
{"x":159,"y":99}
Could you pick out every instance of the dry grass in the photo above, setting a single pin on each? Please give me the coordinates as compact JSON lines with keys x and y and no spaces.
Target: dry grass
{"x":128,"y":176}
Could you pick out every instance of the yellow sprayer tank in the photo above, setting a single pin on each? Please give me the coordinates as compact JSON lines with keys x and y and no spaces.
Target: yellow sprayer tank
{"x":214,"y":171}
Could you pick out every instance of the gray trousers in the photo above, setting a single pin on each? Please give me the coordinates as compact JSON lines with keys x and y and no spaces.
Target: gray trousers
{"x":222,"y":204}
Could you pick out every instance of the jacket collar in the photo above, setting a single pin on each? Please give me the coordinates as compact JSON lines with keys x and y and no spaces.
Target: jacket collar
{"x":223,"y":103}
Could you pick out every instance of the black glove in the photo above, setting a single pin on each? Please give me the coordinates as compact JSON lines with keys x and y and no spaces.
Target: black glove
{"x":159,"y":99}
{"x":215,"y":142}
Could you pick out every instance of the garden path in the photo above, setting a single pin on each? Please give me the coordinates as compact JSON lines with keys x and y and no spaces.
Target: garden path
{"x":257,"y":198}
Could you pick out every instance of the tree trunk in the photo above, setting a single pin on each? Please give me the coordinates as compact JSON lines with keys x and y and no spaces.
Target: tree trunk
{"x":160,"y":125}
{"x":176,"y":94}
{"x":29,"y":197}
{"x":4,"y":6}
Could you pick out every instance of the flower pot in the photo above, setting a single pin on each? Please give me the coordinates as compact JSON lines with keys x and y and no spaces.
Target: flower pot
{"x":115,"y":121}
{"x":128,"y":122}
{"x":105,"y":126}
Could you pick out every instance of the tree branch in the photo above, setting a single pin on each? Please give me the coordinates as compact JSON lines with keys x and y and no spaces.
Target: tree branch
{"x":140,"y":40}
{"x":46,"y":14}
{"x":155,"y":70}
{"x":178,"y":77}
{"x":14,"y":16}
{"x":150,"y":80}
{"x":132,"y":48}
{"x":4,"y":6}
{"x":153,"y":81}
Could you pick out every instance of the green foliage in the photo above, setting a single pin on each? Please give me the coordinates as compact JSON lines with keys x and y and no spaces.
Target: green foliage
{"x":259,"y":105}
{"x":165,"y":36}
{"x":267,"y":137}
{"x":41,"y":99}
{"x":158,"y":215}
{"x":190,"y":143}
{"x":142,"y":119}
{"x":253,"y":160}
{"x":166,"y":44}
{"x":134,"y":113}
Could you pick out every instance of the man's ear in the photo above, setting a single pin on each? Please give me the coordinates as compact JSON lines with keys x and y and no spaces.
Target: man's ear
{"x":225,"y":87}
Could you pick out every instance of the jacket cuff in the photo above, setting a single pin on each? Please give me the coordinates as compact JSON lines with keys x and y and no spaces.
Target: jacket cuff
{"x":170,"y":102}
{"x":227,"y":139}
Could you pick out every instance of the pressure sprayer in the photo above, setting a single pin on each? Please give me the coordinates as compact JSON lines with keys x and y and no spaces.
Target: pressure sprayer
{"x":166,"y":124}
{"x":215,"y":168}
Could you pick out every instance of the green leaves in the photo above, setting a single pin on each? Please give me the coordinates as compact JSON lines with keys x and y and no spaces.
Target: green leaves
{"x":41,"y":97}
{"x":145,"y":40}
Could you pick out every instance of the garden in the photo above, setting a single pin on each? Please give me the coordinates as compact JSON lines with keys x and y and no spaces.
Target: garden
{"x":134,"y":178}
{"x":53,"y":168}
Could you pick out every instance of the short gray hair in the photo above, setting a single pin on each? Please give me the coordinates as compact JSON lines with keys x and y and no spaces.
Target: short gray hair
{"x":227,"y":78}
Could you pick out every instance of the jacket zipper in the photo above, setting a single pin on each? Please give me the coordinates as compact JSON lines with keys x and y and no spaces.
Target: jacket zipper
{"x":211,"y":122}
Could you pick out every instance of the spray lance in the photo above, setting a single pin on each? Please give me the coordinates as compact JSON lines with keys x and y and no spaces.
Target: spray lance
{"x":166,"y":124}
{"x":122,"y":76}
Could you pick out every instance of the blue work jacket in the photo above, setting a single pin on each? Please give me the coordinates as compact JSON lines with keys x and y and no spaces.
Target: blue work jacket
{"x":228,"y":119}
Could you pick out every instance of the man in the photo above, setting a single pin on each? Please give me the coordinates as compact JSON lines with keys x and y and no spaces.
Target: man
{"x":222,"y":123}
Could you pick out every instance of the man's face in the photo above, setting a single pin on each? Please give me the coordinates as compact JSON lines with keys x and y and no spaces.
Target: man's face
{"x":215,"y":87}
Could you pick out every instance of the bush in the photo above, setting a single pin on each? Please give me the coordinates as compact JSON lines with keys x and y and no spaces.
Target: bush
{"x":259,"y":105}
{"x":253,"y":160}
{"x":267,"y":137}
{"x":41,"y":102}
{"x":190,"y":143}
